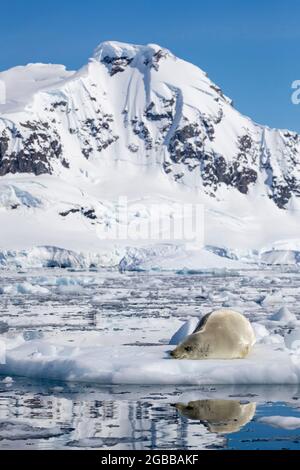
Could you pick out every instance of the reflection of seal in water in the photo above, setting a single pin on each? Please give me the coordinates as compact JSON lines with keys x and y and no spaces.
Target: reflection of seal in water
{"x":220,"y":416}
{"x":223,"y":334}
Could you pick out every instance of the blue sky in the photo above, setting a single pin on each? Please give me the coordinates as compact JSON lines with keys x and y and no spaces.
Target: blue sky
{"x":250,"y":48}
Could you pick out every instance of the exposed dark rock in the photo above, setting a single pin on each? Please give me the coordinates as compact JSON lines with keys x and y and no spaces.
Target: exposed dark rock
{"x":36,"y":153}
{"x":99,"y":133}
{"x":88,"y":213}
{"x":152,"y":115}
{"x":60,"y":104}
{"x":133,"y":148}
{"x":182,"y":147}
{"x":116,"y":64}
{"x":154,"y":61}
{"x":283,"y":189}
{"x":140,"y":129}
{"x":285,"y":185}
{"x":4,"y":141}
{"x":218,"y":119}
{"x":86,"y":152}
{"x":71,"y":211}
{"x":178,"y":176}
{"x":220,"y":93}
{"x":208,"y":127}
{"x":188,"y":146}
{"x":167,"y":167}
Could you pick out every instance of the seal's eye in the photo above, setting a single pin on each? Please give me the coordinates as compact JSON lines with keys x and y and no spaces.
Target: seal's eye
{"x":188,"y":349}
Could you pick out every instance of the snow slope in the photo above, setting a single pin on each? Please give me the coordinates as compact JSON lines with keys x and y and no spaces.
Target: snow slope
{"x":138,"y":122}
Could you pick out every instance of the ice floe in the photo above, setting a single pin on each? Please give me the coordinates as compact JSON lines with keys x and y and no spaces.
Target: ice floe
{"x":14,"y":431}
{"x":24,"y":288}
{"x":284,"y":316}
{"x":292,"y":339}
{"x":284,"y":422}
{"x":266,"y":364}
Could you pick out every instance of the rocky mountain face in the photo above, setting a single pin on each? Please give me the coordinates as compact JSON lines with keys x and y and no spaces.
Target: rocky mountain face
{"x":143,"y":105}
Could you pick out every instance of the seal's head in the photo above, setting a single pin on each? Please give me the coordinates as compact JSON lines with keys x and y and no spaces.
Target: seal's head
{"x":191,"y":348}
{"x":219,"y":416}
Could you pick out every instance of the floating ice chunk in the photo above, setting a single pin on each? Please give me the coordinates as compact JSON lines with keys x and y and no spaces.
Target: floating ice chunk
{"x":284,"y":316}
{"x":8,"y":381}
{"x":284,"y":422}
{"x":272,"y":339}
{"x":276,"y":280}
{"x":233,"y":304}
{"x":292,"y":339}
{"x":58,"y":389}
{"x":270,"y":299}
{"x":65,"y":281}
{"x":110,"y":297}
{"x":47,"y":350}
{"x":30,"y":335}
{"x":186,"y":329}
{"x":15,"y":431}
{"x":70,"y":289}
{"x":260,"y":331}
{"x":25,"y":288}
{"x":99,"y":443}
{"x":87,"y":443}
{"x":133,"y":365}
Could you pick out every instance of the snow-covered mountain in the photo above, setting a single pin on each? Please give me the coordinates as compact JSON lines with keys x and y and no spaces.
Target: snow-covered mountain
{"x":138,"y":121}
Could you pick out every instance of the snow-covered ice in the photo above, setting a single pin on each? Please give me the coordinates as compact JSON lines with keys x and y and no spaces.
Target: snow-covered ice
{"x":8,"y":381}
{"x":149,"y":365}
{"x":292,"y":339}
{"x":15,"y":431}
{"x":24,"y":288}
{"x":284,"y":316}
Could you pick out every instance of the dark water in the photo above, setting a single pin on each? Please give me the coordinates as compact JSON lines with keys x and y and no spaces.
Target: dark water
{"x":44,"y":415}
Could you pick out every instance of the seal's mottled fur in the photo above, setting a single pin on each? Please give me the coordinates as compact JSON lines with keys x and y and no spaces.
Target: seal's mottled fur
{"x":223,"y":334}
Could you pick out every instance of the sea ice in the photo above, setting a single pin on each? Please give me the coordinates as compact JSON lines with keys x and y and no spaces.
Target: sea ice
{"x":15,"y":431}
{"x":266,"y":364}
{"x":283,"y":422}
{"x":292,"y":339}
{"x":284,"y":316}
{"x":8,"y":381}
{"x":24,"y":288}
{"x":260,"y":331}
